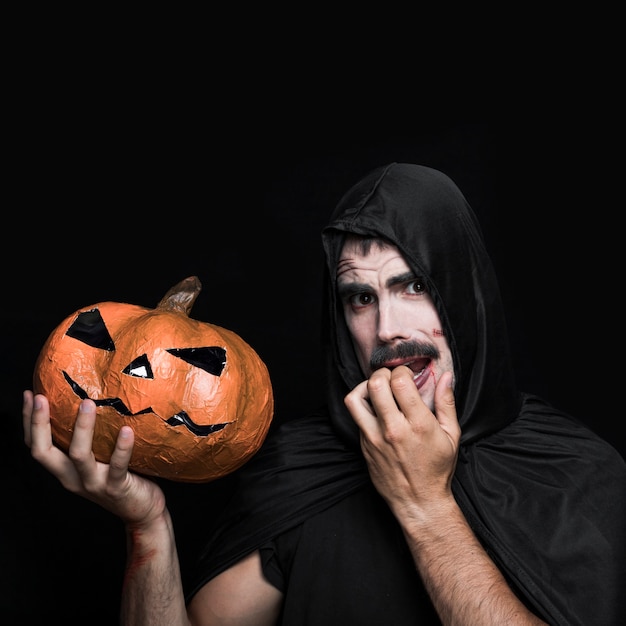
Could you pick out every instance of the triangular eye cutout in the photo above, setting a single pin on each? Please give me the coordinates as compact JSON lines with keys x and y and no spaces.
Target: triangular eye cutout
{"x":212,"y":359}
{"x":139,"y":367}
{"x":89,"y":327}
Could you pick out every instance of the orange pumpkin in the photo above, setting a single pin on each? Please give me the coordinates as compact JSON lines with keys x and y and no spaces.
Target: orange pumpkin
{"x":197,"y":396}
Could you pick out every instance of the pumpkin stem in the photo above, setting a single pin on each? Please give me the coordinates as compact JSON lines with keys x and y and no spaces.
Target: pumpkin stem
{"x":181,"y":296}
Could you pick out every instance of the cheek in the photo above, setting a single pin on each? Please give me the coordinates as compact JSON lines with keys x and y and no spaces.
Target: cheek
{"x":361,"y":328}
{"x":445,"y":362}
{"x":364,"y":342}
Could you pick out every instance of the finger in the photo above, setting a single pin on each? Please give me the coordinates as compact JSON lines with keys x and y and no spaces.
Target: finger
{"x":42,"y":447}
{"x":383,"y":396}
{"x":80,"y":450}
{"x":38,"y":424}
{"x":445,"y":407}
{"x":358,"y":404}
{"x":27,"y":413}
{"x":90,"y":472}
{"x":408,"y":398}
{"x":120,"y":459}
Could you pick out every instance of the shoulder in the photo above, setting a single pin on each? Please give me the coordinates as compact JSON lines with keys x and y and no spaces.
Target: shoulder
{"x":239,"y":595}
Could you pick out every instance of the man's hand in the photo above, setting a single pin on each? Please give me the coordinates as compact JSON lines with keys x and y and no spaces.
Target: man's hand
{"x":136,"y":500}
{"x":411,"y":452}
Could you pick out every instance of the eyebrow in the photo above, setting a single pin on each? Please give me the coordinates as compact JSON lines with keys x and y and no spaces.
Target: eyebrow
{"x":400,"y":278}
{"x":348,"y":288}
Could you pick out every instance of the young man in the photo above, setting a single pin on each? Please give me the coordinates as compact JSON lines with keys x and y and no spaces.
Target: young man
{"x":429,"y":490}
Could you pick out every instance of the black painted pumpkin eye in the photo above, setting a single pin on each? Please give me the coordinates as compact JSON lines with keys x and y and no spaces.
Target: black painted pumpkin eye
{"x":89,"y":327}
{"x":211,"y":359}
{"x":139,"y":367}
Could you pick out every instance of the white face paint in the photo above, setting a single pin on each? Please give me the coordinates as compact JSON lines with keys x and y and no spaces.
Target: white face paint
{"x":386,"y":307}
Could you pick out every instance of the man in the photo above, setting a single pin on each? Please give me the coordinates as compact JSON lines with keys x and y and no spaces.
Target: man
{"x":429,"y":490}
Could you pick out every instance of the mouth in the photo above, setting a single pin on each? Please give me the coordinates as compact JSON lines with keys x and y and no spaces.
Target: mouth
{"x":180,"y":419}
{"x":421,"y":369}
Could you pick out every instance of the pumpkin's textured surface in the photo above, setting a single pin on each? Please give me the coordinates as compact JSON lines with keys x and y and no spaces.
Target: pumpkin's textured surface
{"x":197,"y":396}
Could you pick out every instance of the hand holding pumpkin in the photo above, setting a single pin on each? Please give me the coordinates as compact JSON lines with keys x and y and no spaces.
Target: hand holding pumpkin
{"x":198,"y":398}
{"x":133,"y":498}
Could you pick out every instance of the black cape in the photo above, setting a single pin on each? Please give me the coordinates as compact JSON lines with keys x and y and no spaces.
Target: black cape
{"x":543,"y":493}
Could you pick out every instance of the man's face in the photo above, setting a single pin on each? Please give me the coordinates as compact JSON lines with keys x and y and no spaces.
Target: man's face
{"x":391,"y":317}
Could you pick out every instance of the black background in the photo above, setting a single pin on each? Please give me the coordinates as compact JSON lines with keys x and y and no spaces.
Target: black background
{"x":119,"y":205}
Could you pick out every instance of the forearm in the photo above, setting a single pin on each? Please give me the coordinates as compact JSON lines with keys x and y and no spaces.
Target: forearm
{"x":464,"y":584}
{"x":152,"y":592}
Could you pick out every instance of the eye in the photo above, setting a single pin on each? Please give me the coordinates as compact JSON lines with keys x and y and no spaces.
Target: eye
{"x":416,"y":286}
{"x":361,"y":299}
{"x":89,"y":327}
{"x":140,"y":368}
{"x":211,"y":359}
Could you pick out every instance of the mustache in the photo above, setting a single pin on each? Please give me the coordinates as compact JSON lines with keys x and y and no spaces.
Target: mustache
{"x":406,"y":350}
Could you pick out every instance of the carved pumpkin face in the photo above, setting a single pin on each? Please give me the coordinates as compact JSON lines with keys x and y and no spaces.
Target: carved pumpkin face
{"x":197,"y":396}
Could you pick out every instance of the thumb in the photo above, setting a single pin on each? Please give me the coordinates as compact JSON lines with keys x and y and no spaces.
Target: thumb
{"x":445,"y":407}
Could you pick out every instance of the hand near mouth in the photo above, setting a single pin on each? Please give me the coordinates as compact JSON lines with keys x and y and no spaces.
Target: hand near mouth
{"x":421,"y":368}
{"x":411,"y":452}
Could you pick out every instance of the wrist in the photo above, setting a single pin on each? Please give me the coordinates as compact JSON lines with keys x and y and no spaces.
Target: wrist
{"x":150,"y":531}
{"x":430,"y":518}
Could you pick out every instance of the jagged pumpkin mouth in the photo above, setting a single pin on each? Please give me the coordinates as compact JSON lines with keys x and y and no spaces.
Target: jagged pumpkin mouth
{"x":179,"y":419}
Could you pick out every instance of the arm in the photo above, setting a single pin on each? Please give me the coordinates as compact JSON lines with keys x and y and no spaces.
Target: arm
{"x":411,"y":455}
{"x":152,"y":591}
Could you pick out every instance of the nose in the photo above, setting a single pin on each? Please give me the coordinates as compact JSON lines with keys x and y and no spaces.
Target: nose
{"x":391,"y":323}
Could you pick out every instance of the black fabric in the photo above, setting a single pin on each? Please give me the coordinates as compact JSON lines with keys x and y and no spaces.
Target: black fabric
{"x":351,"y":555}
{"x":545,"y":495}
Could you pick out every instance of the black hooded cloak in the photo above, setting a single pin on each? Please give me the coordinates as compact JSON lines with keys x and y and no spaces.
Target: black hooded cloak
{"x":543,"y":493}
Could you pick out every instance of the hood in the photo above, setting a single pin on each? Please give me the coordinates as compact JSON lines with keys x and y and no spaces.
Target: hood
{"x":422,"y":212}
